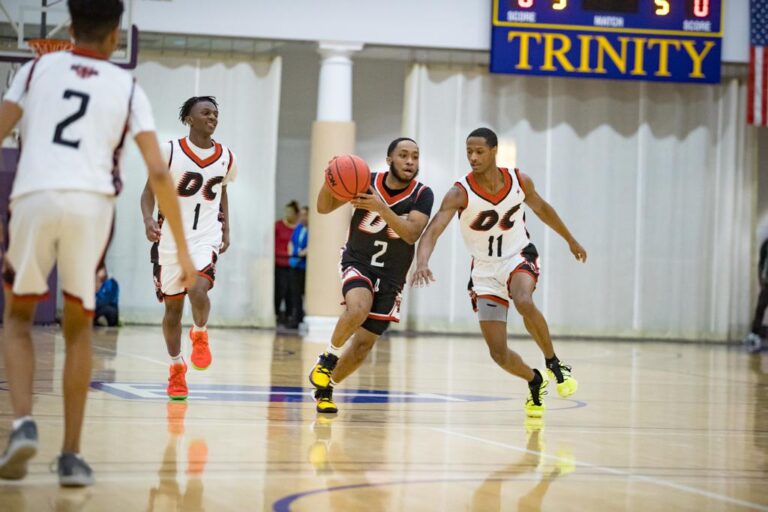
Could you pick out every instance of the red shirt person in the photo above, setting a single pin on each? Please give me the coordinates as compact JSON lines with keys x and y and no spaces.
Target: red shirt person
{"x":283,"y":231}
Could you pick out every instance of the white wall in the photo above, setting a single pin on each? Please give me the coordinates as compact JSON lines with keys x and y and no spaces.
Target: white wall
{"x":377,"y":108}
{"x":460,"y":24}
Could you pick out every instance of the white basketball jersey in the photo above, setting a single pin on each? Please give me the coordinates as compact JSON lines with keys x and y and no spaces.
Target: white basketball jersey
{"x":493,"y":226}
{"x":198,"y":175}
{"x":77,"y":110}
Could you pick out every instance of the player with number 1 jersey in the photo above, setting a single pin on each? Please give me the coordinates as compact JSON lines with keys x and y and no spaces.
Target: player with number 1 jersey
{"x":202,"y":168}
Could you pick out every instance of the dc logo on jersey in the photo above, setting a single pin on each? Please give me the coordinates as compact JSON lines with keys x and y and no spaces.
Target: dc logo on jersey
{"x":488,"y":219}
{"x":191,"y":183}
{"x":372,"y":224}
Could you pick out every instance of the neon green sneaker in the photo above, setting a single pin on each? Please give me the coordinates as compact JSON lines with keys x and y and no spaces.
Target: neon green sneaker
{"x":561,"y":373}
{"x":534,"y":405}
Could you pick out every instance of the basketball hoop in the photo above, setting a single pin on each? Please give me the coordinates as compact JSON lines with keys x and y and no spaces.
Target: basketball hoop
{"x":43,"y":46}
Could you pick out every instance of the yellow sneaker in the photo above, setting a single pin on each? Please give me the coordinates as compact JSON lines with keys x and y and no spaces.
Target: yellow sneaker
{"x":534,"y":405}
{"x":566,"y":384}
{"x":324,"y":400}
{"x":320,"y":376}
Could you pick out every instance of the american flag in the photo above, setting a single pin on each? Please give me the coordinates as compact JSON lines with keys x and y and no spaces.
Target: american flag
{"x":757,"y":100}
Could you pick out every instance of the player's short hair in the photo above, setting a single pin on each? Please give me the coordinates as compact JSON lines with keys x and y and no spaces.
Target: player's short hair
{"x":486,"y":133}
{"x":93,"y":20}
{"x":394,"y":143}
{"x":186,"y":108}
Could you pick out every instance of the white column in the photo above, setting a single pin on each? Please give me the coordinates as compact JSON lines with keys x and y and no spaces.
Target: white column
{"x":333,"y":133}
{"x":334,"y":95}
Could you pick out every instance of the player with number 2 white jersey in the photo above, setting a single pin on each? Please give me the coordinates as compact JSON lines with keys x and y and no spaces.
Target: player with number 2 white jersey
{"x":75,"y":110}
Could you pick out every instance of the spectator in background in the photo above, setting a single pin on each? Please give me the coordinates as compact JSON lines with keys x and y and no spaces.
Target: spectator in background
{"x":107,"y":296}
{"x":298,"y":263}
{"x":283,"y":232}
{"x":754,"y":340}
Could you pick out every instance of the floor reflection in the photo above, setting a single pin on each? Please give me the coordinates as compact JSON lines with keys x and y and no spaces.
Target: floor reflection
{"x":488,"y":496}
{"x":336,"y":468}
{"x":167,"y":495}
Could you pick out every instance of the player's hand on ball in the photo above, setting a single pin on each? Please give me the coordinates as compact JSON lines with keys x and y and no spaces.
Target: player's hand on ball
{"x":371,"y":201}
{"x":188,"y":270}
{"x":152,"y":230}
{"x":578,"y":251}
{"x":422,"y":277}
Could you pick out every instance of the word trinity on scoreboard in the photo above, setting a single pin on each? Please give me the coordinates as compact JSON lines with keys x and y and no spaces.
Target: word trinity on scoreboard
{"x":661,"y":40}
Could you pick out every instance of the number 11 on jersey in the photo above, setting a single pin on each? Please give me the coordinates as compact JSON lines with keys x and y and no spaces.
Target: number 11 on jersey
{"x":498,"y":245}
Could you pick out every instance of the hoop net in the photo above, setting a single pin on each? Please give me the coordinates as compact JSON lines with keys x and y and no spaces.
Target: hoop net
{"x":43,"y":46}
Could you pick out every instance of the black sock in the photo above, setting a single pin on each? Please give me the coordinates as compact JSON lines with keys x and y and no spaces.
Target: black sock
{"x":552,"y":361}
{"x":537,"y":379}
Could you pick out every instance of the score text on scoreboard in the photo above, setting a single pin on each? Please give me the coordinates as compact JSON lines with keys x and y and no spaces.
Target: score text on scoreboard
{"x":659,"y":40}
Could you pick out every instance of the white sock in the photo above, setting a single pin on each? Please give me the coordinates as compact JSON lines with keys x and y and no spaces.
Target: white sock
{"x":198,"y":329}
{"x":179,"y":359}
{"x":334,"y":350}
{"x":18,"y":421}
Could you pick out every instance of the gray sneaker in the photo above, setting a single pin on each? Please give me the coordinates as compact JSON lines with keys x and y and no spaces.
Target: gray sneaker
{"x":73,"y":471}
{"x":22,"y":446}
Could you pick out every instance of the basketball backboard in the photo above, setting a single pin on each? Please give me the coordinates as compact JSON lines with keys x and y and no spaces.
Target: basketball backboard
{"x":23,"y":20}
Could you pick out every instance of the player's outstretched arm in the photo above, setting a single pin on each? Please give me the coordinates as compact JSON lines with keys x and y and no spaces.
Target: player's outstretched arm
{"x":453,"y":202}
{"x":549,"y":216}
{"x":162,"y":186}
{"x":225,"y":225}
{"x":10,"y":113}
{"x":326,"y":202}
{"x":151,"y":228}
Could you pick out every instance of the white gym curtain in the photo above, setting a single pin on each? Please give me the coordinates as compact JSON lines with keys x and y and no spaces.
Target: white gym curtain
{"x":655,"y":180}
{"x":248,"y":92}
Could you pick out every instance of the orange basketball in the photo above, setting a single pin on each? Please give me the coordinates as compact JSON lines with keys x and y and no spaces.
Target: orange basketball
{"x":347,"y":176}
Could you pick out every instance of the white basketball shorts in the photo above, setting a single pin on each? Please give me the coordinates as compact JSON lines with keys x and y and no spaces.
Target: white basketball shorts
{"x":68,"y":228}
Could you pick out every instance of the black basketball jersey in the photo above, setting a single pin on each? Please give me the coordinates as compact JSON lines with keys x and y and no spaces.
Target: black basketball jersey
{"x":374,"y":244}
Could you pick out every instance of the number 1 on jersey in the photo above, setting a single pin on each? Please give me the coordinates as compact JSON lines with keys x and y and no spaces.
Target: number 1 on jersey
{"x":197,"y":216}
{"x":498,"y":245}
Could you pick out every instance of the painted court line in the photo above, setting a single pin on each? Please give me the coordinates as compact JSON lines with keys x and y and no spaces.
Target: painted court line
{"x":648,"y":479}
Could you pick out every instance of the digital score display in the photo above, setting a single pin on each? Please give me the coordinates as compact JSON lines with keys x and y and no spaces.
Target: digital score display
{"x":659,"y":40}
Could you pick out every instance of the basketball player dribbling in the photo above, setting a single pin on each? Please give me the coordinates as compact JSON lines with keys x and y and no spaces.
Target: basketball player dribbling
{"x":76,"y":109}
{"x":201,"y":169}
{"x":490,"y":202}
{"x":374,"y":265}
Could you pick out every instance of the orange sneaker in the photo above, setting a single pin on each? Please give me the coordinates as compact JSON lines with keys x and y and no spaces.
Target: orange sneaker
{"x":177,"y":382}
{"x":201,"y":354}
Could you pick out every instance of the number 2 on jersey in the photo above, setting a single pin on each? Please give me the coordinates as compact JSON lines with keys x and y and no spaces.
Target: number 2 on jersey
{"x":498,"y":245}
{"x":197,"y":216}
{"x":375,"y":258}
{"x":58,"y":136}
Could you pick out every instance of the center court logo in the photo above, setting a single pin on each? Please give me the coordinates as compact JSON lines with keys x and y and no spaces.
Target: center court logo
{"x":238,"y":393}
